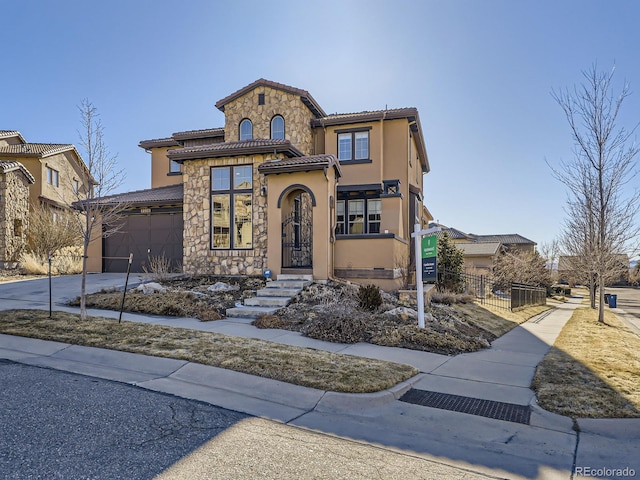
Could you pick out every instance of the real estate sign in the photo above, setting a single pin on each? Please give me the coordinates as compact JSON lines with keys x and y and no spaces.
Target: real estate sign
{"x":429,"y":258}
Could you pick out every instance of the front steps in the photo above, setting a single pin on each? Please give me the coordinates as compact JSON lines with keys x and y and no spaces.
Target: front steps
{"x":273,"y":297}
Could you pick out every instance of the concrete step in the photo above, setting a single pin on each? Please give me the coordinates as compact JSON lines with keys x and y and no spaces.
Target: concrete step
{"x":278,"y":292}
{"x":300,"y":284}
{"x":250,"y":312}
{"x":267,"y":301}
{"x":290,"y":276}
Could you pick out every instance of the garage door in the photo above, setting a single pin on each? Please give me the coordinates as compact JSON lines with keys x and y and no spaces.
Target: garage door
{"x":146,"y":236}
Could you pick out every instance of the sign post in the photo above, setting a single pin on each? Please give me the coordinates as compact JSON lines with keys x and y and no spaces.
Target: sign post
{"x":426,"y":250}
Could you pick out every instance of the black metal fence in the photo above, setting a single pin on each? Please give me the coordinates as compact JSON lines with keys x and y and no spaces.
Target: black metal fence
{"x":486,"y":292}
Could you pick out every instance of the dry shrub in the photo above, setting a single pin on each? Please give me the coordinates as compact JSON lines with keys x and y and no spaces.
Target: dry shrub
{"x":159,"y":268}
{"x":204,"y":313}
{"x":269,"y":321}
{"x":34,"y":264}
{"x":66,"y":261}
{"x":450,"y":298}
{"x":339,"y":328}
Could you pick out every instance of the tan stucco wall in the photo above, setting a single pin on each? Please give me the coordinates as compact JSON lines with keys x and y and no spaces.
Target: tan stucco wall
{"x":371,"y":260}
{"x":198,"y":256}
{"x":14,"y":205}
{"x":68,"y":171}
{"x":160,"y":169}
{"x":323,"y":188}
{"x":94,"y":252}
{"x":297,"y":116}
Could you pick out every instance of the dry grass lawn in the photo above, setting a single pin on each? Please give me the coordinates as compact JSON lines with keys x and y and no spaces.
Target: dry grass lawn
{"x":592,"y":370}
{"x":498,"y":321}
{"x":300,"y":366}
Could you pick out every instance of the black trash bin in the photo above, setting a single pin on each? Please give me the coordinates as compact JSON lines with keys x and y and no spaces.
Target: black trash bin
{"x":606,"y":298}
{"x":613,"y":301}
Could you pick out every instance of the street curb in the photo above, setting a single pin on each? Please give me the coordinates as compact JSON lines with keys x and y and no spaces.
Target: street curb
{"x":336,"y":402}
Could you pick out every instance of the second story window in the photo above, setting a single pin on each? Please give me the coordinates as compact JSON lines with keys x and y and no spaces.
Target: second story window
{"x":353,"y":145}
{"x":277,"y":127}
{"x":246,"y":129}
{"x":53,"y":177}
{"x":174,"y":167}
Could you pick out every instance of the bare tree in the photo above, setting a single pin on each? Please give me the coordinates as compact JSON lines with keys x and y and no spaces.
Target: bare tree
{"x":521,"y":267}
{"x":101,"y":179}
{"x":601,"y":220}
{"x":51,"y":229}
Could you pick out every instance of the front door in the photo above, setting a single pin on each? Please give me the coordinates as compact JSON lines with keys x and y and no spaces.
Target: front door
{"x":297,"y":232}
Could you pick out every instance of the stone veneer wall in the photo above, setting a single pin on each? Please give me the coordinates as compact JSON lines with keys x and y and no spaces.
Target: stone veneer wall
{"x":297,"y":117}
{"x":198,"y":255}
{"x":14,"y":204}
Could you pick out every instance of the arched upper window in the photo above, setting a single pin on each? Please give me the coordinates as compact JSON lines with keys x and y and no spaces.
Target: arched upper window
{"x":246,"y":129}
{"x":277,"y":127}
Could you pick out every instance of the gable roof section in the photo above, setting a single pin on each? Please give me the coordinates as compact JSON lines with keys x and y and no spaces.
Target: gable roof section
{"x":158,"y":142}
{"x":230,"y":149}
{"x":301,"y":164}
{"x":40,"y":150}
{"x":479,"y":249}
{"x":7,"y":166}
{"x":306,"y":98}
{"x":508,"y":239}
{"x":12,"y":133}
{"x":170,"y":194}
{"x":410,"y":113}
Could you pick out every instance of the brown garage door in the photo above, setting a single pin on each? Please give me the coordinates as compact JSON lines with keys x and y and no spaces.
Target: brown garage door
{"x":145,"y":236}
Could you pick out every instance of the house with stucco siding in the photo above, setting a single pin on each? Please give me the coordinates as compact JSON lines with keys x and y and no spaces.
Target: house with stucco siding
{"x":282,"y":186}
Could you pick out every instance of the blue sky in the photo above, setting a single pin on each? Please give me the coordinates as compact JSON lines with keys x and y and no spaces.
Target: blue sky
{"x":480,"y":73}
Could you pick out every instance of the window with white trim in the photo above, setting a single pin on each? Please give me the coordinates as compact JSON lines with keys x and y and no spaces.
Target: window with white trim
{"x":277,"y":127}
{"x":53,"y":177}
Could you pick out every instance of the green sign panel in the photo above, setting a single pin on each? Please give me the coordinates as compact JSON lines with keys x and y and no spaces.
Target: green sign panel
{"x":429,"y":258}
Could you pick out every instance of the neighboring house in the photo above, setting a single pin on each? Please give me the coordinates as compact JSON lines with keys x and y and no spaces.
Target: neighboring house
{"x":15,"y":180}
{"x":61,"y":176}
{"x":481,"y":251}
{"x":286,"y":187}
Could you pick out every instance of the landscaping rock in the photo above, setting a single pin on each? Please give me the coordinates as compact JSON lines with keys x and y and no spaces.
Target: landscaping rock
{"x":149,"y":288}
{"x":403,"y":312}
{"x":223,"y":287}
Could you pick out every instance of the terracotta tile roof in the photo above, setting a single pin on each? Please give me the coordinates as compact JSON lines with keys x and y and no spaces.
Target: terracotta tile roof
{"x":410,"y":113}
{"x":243,"y":147}
{"x":150,"y":196}
{"x":204,"y":133}
{"x":158,"y":142}
{"x":36,"y":149}
{"x":368,"y":115}
{"x":7,"y":166}
{"x":12,"y":133}
{"x":507,"y":239}
{"x":306,"y":98}
{"x":296,"y":164}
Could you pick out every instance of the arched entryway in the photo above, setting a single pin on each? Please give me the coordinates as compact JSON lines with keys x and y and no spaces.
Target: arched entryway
{"x":297,"y":230}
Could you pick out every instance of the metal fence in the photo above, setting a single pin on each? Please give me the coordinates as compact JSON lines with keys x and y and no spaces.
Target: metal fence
{"x":487,"y":292}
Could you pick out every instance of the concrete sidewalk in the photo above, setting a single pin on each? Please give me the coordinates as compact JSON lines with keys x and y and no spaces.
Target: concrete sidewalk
{"x":546,"y":447}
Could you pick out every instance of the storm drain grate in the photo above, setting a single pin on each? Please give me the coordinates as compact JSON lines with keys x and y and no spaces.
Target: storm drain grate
{"x":474,"y":406}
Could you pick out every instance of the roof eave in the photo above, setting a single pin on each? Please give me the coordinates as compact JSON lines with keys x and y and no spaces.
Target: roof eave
{"x":182,"y":155}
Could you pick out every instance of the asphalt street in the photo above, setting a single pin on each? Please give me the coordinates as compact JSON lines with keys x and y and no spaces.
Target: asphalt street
{"x":59,"y":425}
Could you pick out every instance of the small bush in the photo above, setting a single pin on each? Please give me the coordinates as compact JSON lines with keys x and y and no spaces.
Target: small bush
{"x":369,"y":297}
{"x":269,"y":321}
{"x":159,"y":268}
{"x":449,"y":298}
{"x":340,"y":328}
